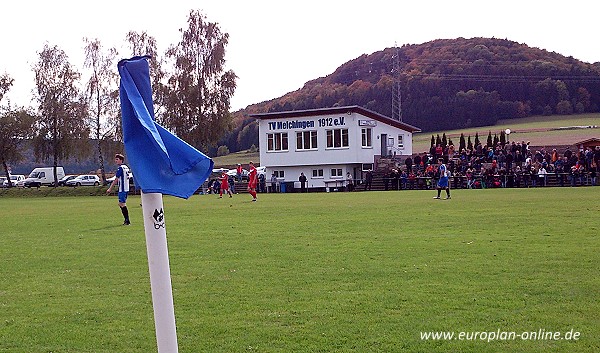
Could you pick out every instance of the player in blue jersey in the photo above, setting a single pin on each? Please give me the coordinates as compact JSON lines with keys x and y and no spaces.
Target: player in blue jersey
{"x":443,"y":182}
{"x":121,"y":177}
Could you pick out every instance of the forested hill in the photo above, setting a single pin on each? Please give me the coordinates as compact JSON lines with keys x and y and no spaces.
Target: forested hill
{"x":444,"y":84}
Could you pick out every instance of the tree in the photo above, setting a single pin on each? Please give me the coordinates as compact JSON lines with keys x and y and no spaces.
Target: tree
{"x":16,"y":127}
{"x":489,"y":141}
{"x":103,"y":93}
{"x":461,"y":142}
{"x":61,"y":129}
{"x":444,"y":140}
{"x":476,"y":139}
{"x":469,"y":144}
{"x":222,"y":151}
{"x":6,"y":83}
{"x":432,"y":141}
{"x":502,"y":137}
{"x":144,"y":44}
{"x":199,"y":90}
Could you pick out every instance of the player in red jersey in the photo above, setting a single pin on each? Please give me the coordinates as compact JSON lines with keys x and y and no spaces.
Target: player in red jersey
{"x":224,"y":185}
{"x":252,"y":180}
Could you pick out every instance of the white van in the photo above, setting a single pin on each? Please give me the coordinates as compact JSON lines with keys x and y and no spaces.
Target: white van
{"x":43,"y":176}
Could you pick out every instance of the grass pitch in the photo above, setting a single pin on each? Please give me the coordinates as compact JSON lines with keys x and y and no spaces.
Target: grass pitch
{"x":328,"y":272}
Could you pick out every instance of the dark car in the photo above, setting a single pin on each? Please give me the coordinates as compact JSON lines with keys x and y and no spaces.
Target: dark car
{"x":63,"y":180}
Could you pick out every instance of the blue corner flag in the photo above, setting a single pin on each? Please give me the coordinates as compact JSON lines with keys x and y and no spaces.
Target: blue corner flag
{"x":160,"y":161}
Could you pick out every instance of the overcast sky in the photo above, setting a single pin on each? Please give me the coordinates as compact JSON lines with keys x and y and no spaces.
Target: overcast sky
{"x":277,"y":46}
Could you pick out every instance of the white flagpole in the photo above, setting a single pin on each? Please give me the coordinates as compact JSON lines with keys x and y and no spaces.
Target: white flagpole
{"x":160,"y":275}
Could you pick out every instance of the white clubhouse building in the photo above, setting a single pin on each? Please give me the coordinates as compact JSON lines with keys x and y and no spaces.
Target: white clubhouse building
{"x":325,"y":144}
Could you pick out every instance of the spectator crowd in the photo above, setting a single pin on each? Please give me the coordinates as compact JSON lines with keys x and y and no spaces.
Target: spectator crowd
{"x":503,"y":165}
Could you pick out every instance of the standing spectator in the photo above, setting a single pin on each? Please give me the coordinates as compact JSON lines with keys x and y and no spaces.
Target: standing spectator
{"x":568,"y":153}
{"x":302,"y":180}
{"x":412,"y":180}
{"x":559,"y":171}
{"x":273,"y":182}
{"x":394,"y":179}
{"x":542,"y":175}
{"x":349,"y":182}
{"x":403,"y":179}
{"x":408,"y":162}
{"x":555,"y":156}
{"x":252,"y":180}
{"x":238,"y":172}
{"x":597,"y":157}
{"x":215,"y":187}
{"x":369,"y":179}
{"x":451,"y":152}
{"x":231,"y":181}
{"x":386,"y":181}
{"x":417,"y":162}
{"x":470,"y":178}
{"x":262,"y":183}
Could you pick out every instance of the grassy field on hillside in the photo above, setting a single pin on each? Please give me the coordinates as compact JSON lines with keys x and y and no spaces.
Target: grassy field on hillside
{"x":317,"y":272}
{"x":232,"y":159}
{"x":539,"y":130}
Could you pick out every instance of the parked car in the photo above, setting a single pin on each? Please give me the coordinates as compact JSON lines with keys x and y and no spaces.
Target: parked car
{"x":233,"y":173}
{"x":14,"y":178}
{"x":63,"y":180}
{"x":259,"y":171}
{"x":112,"y":178}
{"x":84,"y":180}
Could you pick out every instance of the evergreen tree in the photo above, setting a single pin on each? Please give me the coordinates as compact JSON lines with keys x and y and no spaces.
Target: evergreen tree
{"x":462,"y":144}
{"x":489,"y":139}
{"x":469,"y":144}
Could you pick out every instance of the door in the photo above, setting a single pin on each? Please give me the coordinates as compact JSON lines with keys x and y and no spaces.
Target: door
{"x":384,"y":150}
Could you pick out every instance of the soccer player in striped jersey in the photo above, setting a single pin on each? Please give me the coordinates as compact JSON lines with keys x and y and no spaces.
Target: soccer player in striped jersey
{"x":443,"y":182}
{"x":122,"y":177}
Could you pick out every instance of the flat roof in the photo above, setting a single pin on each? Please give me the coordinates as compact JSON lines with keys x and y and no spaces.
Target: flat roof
{"x":337,"y":110}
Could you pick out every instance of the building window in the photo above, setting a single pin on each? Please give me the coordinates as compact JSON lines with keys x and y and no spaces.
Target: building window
{"x":367,"y":166}
{"x":279,"y":173}
{"x":306,"y":140}
{"x":336,"y":173}
{"x":317,"y":173}
{"x":277,"y":141}
{"x":366,"y":137}
{"x":400,"y":141}
{"x":337,"y":138}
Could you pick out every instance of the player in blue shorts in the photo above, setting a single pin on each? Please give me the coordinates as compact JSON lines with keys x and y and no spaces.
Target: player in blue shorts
{"x":443,"y":181}
{"x":121,"y":178}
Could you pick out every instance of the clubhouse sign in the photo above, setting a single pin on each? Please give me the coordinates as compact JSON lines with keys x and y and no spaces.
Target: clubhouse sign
{"x":307,"y":124}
